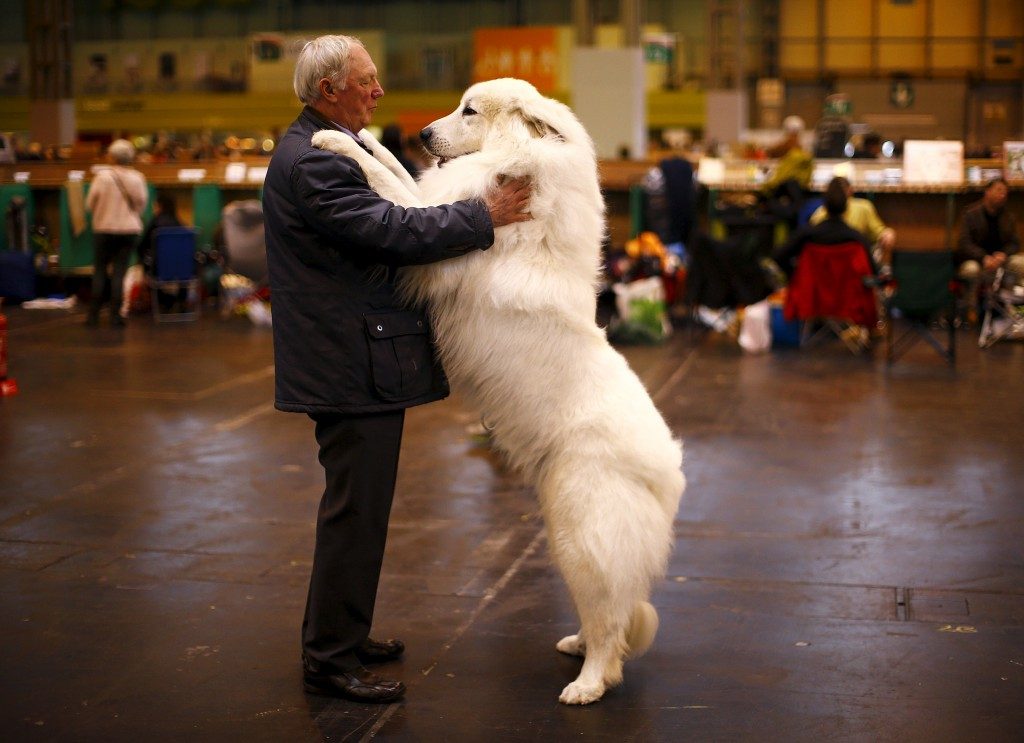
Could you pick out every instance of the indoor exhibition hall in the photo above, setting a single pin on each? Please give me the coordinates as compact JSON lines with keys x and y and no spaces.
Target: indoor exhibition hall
{"x":512,"y":370}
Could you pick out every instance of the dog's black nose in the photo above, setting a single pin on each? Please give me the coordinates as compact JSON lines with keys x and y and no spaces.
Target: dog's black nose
{"x":426,"y":133}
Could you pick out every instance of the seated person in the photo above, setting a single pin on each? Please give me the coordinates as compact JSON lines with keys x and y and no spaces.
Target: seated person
{"x":860,"y":214}
{"x":165,"y":214}
{"x":833,"y":230}
{"x":871,"y":147}
{"x":988,"y":239}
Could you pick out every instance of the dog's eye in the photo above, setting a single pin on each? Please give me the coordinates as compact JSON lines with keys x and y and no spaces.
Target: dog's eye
{"x":467,"y":111}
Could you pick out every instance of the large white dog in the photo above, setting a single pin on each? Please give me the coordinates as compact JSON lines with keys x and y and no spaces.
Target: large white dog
{"x":516,"y":329}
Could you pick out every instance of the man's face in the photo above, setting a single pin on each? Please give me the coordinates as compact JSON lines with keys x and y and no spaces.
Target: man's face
{"x":995,"y":197}
{"x":355,"y":104}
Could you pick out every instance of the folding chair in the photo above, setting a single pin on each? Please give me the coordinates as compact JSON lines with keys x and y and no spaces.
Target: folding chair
{"x":921,"y":294}
{"x":174,"y":273}
{"x":1004,"y":310}
{"x":831,"y":292}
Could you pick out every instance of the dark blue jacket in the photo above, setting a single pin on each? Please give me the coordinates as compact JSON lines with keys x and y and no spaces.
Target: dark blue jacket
{"x":343,"y":343}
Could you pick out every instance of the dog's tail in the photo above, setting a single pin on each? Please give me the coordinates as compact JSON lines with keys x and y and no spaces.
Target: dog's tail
{"x":642,"y":629}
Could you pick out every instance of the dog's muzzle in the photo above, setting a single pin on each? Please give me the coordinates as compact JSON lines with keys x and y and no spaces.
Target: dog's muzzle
{"x":427,"y":134}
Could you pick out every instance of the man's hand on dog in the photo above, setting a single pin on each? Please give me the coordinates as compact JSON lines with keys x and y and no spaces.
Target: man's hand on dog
{"x":508,"y":202}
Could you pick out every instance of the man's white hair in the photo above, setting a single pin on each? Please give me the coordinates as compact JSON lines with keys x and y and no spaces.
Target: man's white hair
{"x":122,"y":151}
{"x":324,"y":56}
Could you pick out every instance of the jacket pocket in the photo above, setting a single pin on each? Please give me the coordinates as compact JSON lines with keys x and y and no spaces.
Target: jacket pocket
{"x":401,"y":353}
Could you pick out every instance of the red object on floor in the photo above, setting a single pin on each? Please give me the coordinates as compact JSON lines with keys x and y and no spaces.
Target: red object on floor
{"x":7,"y":386}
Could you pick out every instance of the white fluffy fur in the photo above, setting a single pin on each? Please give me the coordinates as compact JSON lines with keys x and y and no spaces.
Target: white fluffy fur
{"x":515,"y":328}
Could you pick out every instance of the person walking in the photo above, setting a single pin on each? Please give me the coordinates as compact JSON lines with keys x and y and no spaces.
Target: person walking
{"x":117,"y":198}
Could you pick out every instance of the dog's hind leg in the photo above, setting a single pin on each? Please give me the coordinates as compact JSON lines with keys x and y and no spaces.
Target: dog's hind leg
{"x":642,"y":629}
{"x":603,"y":650}
{"x":608,"y":538}
{"x":573,"y":645}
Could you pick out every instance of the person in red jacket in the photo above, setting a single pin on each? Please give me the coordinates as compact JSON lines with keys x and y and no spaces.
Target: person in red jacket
{"x":830,"y":231}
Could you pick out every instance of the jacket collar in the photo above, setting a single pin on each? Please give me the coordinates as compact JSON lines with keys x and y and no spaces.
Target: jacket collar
{"x":319,"y":121}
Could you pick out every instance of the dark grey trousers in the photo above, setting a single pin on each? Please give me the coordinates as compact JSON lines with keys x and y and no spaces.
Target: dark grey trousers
{"x":109,"y":250}
{"x":359,"y":455}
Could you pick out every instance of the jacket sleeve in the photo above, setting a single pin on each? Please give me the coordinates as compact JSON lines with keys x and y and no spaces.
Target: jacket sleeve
{"x":875,"y":225}
{"x":968,"y":248}
{"x":335,"y":198}
{"x":139,"y":193}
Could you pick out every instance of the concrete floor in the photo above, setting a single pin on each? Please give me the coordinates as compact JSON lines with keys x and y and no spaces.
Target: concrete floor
{"x":849,"y":561}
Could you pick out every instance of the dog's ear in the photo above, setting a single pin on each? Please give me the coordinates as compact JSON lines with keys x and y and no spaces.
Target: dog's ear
{"x":537,"y":119}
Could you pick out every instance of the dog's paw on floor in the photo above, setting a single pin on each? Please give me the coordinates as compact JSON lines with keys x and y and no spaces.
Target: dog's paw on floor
{"x":572,"y":645}
{"x":580,"y":693}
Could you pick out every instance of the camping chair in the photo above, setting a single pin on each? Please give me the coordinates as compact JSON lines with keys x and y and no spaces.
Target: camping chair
{"x":921,"y":293}
{"x":831,"y":292}
{"x":1004,"y":310}
{"x":174,"y":273}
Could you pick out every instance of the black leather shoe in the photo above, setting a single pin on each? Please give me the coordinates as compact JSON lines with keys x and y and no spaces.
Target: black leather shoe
{"x":359,"y":685}
{"x":379,"y":651}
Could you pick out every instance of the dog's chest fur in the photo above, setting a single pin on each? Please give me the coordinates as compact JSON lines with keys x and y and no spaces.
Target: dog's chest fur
{"x":496,"y":313}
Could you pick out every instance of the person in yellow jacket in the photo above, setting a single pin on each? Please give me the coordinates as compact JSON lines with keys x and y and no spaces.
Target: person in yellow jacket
{"x":786,"y":188}
{"x":861,"y":215}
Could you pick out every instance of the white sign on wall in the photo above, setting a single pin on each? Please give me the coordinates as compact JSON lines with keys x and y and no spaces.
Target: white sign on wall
{"x":928,"y":162}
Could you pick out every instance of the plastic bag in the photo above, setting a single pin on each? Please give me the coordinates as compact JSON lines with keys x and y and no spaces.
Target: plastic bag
{"x":756,"y":328}
{"x":642,"y":314}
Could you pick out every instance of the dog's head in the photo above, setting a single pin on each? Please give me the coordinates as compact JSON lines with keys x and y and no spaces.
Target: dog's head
{"x":507,"y":108}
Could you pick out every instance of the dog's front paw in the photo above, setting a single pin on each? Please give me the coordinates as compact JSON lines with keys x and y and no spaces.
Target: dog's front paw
{"x":328,"y":139}
{"x":572,"y":645}
{"x":580,"y":693}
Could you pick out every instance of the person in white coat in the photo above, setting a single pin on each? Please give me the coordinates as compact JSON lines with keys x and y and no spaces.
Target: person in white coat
{"x":117,"y":198}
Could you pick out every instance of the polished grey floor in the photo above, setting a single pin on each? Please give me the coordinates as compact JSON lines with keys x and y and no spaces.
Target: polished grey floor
{"x":849,"y":561}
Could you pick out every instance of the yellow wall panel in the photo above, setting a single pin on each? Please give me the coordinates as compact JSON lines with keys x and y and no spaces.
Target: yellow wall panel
{"x":956,"y":18}
{"x":1005,"y":18}
{"x":954,"y":55}
{"x":853,"y":55}
{"x":798,"y":56}
{"x":897,"y":55}
{"x":843,"y":18}
{"x":798,"y":18}
{"x":904,"y":19}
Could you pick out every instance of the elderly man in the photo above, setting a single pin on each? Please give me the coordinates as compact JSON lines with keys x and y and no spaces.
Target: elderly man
{"x":347,"y":352}
{"x":988,"y":238}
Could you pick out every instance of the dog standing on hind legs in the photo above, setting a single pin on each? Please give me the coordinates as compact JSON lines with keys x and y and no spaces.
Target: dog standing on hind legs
{"x":515,"y":327}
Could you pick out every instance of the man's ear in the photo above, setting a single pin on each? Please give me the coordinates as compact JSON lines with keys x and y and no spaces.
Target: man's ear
{"x":326,"y":87}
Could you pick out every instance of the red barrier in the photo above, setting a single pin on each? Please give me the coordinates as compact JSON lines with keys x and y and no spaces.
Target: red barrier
{"x":8,"y":387}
